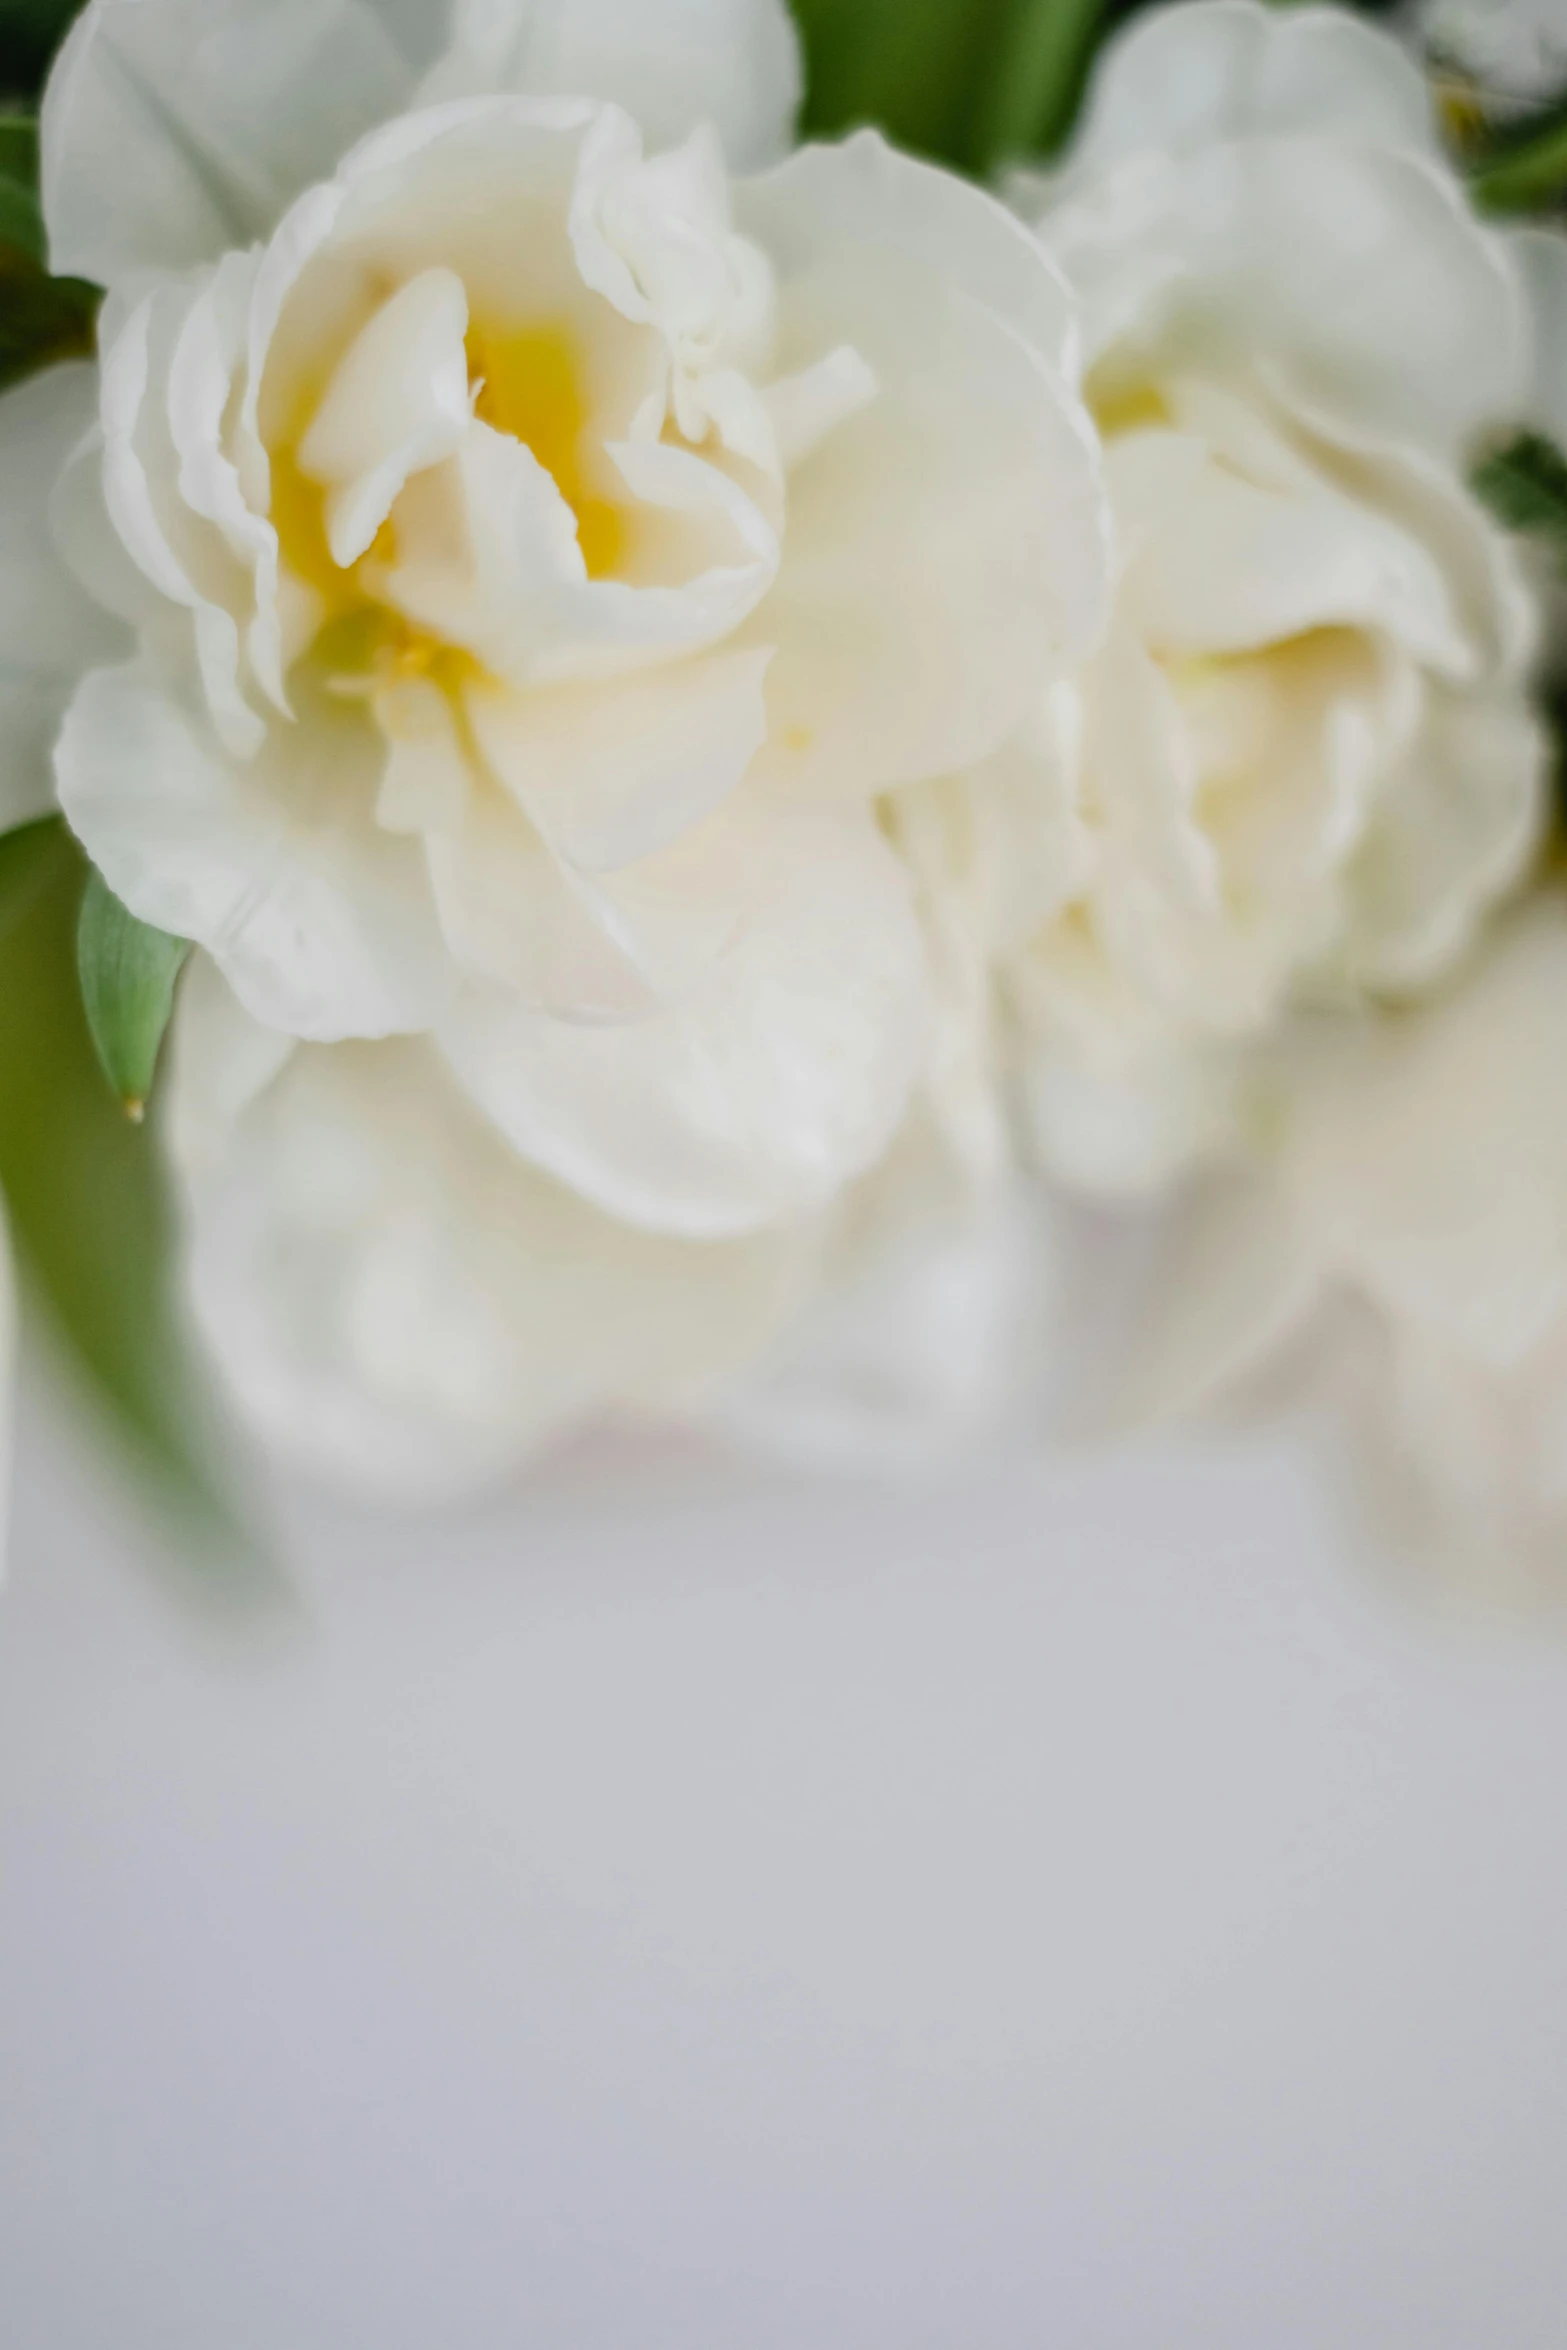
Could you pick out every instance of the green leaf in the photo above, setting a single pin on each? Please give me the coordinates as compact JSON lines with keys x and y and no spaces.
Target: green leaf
{"x":1525,"y":487}
{"x":1524,"y":168}
{"x":19,"y":150}
{"x":21,"y":222}
{"x":128,"y":971}
{"x":94,"y":1229}
{"x":919,"y":69}
{"x":1041,"y":62}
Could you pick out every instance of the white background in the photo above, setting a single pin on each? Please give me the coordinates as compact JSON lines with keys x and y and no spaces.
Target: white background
{"x":1074,"y":1908}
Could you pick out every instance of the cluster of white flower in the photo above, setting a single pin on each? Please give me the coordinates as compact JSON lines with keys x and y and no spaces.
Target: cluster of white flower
{"x":734,"y":725}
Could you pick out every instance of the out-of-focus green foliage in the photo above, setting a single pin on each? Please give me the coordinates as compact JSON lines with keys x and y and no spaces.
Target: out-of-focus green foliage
{"x":30,"y":32}
{"x":28,"y":857}
{"x":919,"y":69}
{"x":1037,"y":78}
{"x":21,"y":221}
{"x":128,"y":971}
{"x":1524,"y":167}
{"x":89,"y":1207}
{"x":42,"y":318}
{"x":1525,"y":486}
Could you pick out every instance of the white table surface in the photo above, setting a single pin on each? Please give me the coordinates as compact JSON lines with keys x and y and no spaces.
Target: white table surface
{"x":1069,"y":1908}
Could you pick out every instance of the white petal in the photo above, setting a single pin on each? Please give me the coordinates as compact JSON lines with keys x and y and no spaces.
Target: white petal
{"x":397,"y":403}
{"x":1126,"y":1127}
{"x":50,"y":632}
{"x":1185,"y":77}
{"x":805,"y":408}
{"x":174,"y":129}
{"x":925,"y":1340}
{"x":947,"y":544}
{"x":493,"y":563}
{"x":1396,"y":312}
{"x":1236,"y":1275}
{"x":1430,"y":1153}
{"x":760,"y":1094}
{"x":397,"y":1302}
{"x":220,"y":1062}
{"x":1233,"y":567}
{"x":733,"y":64}
{"x":610,"y":773}
{"x":322,"y":923}
{"x":512,"y":919}
{"x":1456,"y":826}
{"x":188,"y":564}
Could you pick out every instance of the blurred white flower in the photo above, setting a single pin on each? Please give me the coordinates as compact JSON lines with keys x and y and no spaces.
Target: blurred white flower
{"x":1513,"y":51}
{"x":541,"y":553}
{"x":398,"y":1302}
{"x":1407,"y":1216}
{"x":1303,"y":762}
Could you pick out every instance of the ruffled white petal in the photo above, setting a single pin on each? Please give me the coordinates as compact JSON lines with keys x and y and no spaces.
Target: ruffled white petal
{"x":1395,"y":312}
{"x":322,"y":923}
{"x":759,"y":1094}
{"x":175,"y":129}
{"x":947,"y":543}
{"x":1187,"y":76}
{"x":50,"y":631}
{"x":731,"y":64}
{"x":397,"y":1302}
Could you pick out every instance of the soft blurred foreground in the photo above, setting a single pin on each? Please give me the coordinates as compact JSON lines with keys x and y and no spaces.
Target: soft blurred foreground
{"x":1070,"y":1906}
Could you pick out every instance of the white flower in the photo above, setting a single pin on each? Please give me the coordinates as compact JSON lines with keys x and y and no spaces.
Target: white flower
{"x":398,"y":1302}
{"x":1303,"y":762}
{"x":542,"y":549}
{"x":1408,"y":1214}
{"x":1514,"y":51}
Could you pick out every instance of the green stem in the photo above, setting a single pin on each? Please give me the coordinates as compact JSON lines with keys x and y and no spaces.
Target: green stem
{"x":1044,"y":53}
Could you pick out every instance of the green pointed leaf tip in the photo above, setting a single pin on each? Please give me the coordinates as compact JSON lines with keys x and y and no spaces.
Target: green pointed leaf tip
{"x":128,"y":971}
{"x":1525,"y":487}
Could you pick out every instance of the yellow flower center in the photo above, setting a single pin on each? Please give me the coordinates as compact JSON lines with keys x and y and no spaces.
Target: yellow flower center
{"x":528,"y":382}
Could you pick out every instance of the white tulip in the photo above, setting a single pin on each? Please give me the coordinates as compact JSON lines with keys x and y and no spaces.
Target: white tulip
{"x":1303,"y":763}
{"x":543,"y":548}
{"x":1405,"y":1210}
